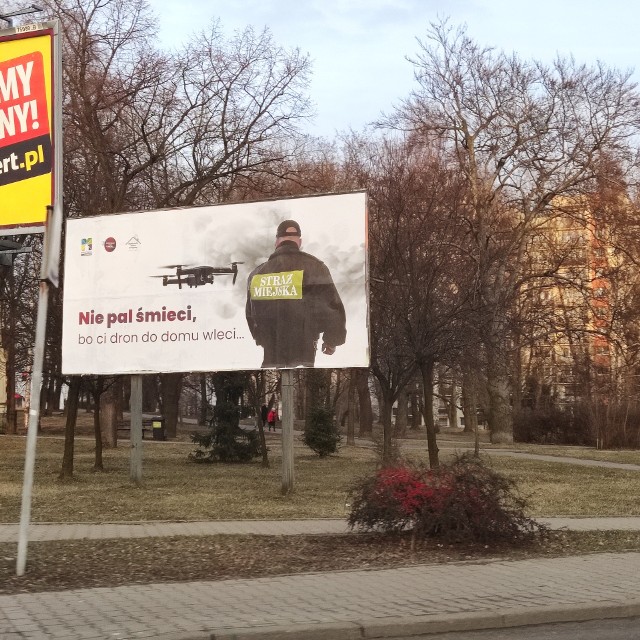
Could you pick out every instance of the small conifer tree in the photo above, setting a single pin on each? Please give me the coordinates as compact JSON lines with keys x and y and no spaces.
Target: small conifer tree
{"x":226,"y":441}
{"x":321,"y":433}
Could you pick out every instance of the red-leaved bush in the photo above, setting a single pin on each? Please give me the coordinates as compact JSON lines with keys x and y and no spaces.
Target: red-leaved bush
{"x":464,"y":501}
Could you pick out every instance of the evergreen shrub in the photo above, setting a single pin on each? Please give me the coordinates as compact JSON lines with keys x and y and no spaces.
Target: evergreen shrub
{"x":225,"y":441}
{"x":321,"y":432}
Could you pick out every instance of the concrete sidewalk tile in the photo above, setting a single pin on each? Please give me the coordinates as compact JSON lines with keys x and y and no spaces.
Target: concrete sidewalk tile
{"x":326,"y":631}
{"x":76,"y":531}
{"x":497,"y":593}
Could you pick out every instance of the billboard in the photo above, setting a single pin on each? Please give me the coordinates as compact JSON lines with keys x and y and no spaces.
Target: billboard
{"x":271,"y":284}
{"x":27,"y":79}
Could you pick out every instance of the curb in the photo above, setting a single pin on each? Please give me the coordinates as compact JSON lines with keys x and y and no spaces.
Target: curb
{"x":411,"y":626}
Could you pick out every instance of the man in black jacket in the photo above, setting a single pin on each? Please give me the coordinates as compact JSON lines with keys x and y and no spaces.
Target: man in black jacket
{"x":291,"y":300}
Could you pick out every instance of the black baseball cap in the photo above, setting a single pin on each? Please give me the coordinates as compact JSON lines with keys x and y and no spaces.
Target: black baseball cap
{"x":287,"y":224}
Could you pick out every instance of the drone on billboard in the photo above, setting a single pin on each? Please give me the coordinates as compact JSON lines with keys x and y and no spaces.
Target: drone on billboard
{"x":193,"y":276}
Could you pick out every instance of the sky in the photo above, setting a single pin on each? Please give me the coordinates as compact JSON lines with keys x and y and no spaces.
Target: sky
{"x":359,"y":48}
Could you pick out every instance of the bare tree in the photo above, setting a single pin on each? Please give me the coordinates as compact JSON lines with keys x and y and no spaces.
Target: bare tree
{"x":18,"y":296}
{"x":418,"y":267}
{"x":522,"y":134}
{"x":151,"y":129}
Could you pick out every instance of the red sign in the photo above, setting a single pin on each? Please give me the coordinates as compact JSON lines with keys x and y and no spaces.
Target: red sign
{"x":23,"y":99}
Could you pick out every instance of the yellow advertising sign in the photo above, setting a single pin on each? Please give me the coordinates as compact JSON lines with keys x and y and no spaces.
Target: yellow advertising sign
{"x":286,"y":285}
{"x":26,"y":123}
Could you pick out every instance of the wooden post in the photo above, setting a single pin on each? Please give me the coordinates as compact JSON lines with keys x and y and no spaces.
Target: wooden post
{"x":287,"y":431}
{"x":135,"y":434}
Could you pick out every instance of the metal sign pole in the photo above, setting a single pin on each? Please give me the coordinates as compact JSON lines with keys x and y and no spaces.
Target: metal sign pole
{"x":34,"y":413}
{"x":287,"y":431}
{"x":49,"y":274}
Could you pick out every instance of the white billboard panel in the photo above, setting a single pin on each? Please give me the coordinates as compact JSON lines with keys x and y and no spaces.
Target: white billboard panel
{"x":212,"y":288}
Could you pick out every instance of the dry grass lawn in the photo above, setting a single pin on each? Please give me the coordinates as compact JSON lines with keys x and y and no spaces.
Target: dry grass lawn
{"x":173,"y":487}
{"x":176,"y":489}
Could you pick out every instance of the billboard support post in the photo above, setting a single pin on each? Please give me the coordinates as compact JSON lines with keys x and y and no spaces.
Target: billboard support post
{"x":34,"y":407}
{"x":49,"y":275}
{"x":287,"y":431}
{"x":135,"y":435}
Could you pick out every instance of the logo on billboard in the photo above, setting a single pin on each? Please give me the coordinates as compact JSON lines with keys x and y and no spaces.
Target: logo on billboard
{"x":25,"y":143}
{"x":133,"y":242}
{"x":86,"y":246}
{"x":110,"y":244}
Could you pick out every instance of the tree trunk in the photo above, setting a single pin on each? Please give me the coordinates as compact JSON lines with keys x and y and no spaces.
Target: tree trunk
{"x":125,"y":402}
{"x":150,"y":394}
{"x":108,"y":403}
{"x":257,"y":380}
{"x":364,"y":402}
{"x":351,"y":408}
{"x":97,"y":464}
{"x":300,"y":396}
{"x":43,"y":394}
{"x":469,"y":401}
{"x":426,"y":369}
{"x":57,"y":393}
{"x":69,"y":428}
{"x":452,"y":408}
{"x":341,"y":400}
{"x":416,"y":412}
{"x":9,"y":344}
{"x":499,"y":418}
{"x":386,"y":411}
{"x":204,"y":401}
{"x":49,"y":395}
{"x":12,"y":415}
{"x":402,"y":414}
{"x":516,"y":388}
{"x":171,"y":386}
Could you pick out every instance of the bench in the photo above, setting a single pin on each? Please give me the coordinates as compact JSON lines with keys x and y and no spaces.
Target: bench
{"x":125,"y":427}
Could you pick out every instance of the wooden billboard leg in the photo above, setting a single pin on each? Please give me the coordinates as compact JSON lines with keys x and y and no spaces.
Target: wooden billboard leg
{"x":287,"y":431}
{"x":135,"y":460}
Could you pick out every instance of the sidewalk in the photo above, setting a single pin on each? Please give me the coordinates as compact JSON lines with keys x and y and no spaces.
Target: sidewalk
{"x":338,"y":606}
{"x":326,"y":606}
{"x":151,"y":529}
